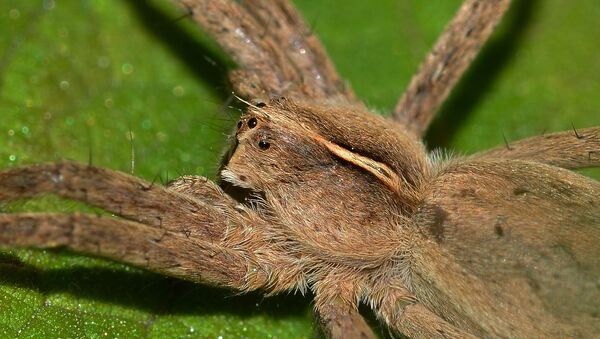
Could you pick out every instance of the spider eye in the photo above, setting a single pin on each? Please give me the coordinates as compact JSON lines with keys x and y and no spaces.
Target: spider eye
{"x":252,"y":122}
{"x":264,"y":145}
{"x":239,"y":125}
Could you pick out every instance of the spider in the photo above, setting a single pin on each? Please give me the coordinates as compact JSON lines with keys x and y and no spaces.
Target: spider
{"x":298,"y":156}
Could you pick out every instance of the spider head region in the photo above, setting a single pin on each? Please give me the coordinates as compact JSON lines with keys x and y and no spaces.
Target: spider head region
{"x":281,"y":154}
{"x":266,"y":154}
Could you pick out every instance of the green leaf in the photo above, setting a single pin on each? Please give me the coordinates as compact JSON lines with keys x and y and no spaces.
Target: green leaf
{"x":76,"y":77}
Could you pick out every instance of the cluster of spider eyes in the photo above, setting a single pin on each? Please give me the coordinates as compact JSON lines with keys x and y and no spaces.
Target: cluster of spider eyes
{"x":252,"y":122}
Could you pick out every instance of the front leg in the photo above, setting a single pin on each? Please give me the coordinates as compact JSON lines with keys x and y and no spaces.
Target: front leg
{"x":136,"y":244}
{"x":193,"y":237}
{"x":123,"y":195}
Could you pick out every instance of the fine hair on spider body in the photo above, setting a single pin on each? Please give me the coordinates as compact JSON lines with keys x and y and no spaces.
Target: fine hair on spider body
{"x":317,"y":193}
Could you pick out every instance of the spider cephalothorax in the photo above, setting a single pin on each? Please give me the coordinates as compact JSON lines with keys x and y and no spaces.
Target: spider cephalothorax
{"x":324,"y":199}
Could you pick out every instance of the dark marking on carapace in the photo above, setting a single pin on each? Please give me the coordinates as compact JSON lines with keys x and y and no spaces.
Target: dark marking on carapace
{"x":437,"y":226}
{"x":499,"y":231}
{"x":520,"y":191}
{"x":466,"y":193}
{"x":532,"y":282}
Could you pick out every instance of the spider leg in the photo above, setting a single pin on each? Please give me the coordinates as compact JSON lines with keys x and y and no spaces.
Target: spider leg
{"x":452,"y":54}
{"x":339,"y":320}
{"x":337,"y":295}
{"x":337,"y":317}
{"x":123,"y":195}
{"x":276,"y":51}
{"x":578,"y":148}
{"x":402,"y":312}
{"x":416,"y":321}
{"x":133,"y":243}
{"x":202,"y":188}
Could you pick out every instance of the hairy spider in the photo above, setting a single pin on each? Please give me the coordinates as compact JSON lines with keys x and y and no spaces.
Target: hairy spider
{"x":348,"y":204}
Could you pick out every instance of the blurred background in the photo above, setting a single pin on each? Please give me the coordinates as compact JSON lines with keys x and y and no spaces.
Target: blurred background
{"x":115,"y":80}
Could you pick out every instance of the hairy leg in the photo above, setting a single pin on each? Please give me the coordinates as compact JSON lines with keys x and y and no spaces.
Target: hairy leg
{"x":338,"y":321}
{"x":133,"y":243}
{"x":416,"y":321}
{"x":203,"y":213}
{"x":276,"y":51}
{"x":124,"y":195}
{"x":336,"y":302}
{"x":202,"y":188}
{"x":447,"y":61}
{"x":402,"y":312}
{"x":337,"y":317}
{"x":578,"y":148}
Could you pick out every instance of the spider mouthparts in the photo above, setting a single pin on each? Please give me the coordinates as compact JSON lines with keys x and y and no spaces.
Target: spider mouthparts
{"x":234,"y":179}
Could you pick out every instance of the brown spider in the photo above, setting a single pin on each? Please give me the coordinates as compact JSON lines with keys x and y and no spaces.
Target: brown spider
{"x":349,"y":204}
